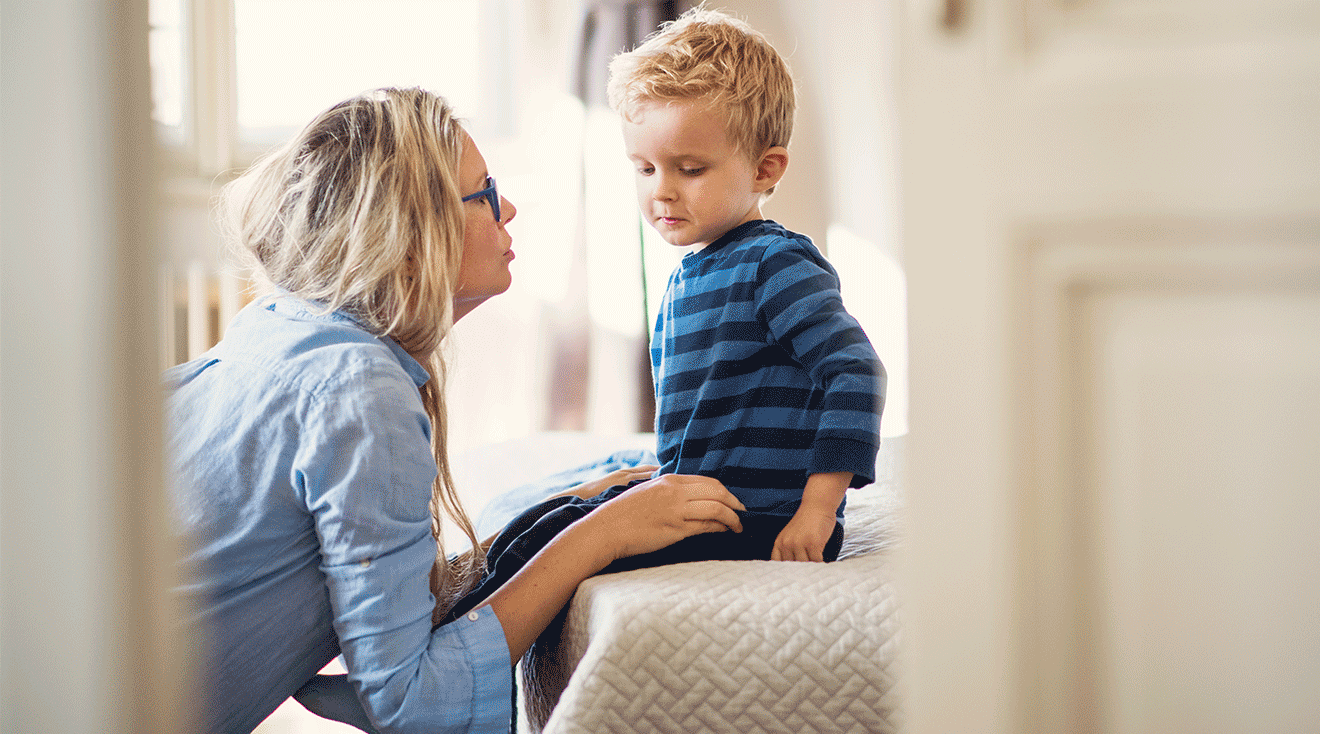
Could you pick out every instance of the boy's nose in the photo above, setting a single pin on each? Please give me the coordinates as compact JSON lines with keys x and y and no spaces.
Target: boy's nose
{"x":663,"y":191}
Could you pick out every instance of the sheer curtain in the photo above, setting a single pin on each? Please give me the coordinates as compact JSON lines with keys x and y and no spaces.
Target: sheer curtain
{"x":613,"y":320}
{"x":576,"y":318}
{"x":566,"y":347}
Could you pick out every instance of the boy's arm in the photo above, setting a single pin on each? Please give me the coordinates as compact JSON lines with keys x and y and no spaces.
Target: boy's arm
{"x":805,"y":536}
{"x":798,"y":297}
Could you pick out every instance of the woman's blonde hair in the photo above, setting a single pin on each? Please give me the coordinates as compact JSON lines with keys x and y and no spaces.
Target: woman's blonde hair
{"x":710,"y":56}
{"x":361,"y":213}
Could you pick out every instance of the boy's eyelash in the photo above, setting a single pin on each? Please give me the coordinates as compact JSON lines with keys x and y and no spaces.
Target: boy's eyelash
{"x":648,"y":170}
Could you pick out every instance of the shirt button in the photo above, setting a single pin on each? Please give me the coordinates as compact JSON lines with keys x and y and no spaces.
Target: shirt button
{"x":473,"y":616}
{"x":366,"y":562}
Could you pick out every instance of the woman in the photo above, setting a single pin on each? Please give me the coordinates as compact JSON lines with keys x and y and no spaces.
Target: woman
{"x":310,"y":443}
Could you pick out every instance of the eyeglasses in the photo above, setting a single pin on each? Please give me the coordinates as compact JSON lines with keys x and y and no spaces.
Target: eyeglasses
{"x":492,"y":197}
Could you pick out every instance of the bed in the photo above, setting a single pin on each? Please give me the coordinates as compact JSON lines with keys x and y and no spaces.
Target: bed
{"x":718,"y":646}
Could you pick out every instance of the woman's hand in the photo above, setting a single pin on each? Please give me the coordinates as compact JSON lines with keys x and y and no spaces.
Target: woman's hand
{"x":662,"y":511}
{"x":587,"y":490}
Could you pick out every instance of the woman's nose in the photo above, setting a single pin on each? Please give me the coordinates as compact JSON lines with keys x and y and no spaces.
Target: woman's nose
{"x":507,"y":209}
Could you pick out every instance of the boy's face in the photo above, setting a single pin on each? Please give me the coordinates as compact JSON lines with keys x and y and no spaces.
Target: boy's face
{"x":692,"y":184}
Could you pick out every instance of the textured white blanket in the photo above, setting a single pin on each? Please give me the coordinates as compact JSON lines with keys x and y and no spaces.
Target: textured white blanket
{"x":730,"y":646}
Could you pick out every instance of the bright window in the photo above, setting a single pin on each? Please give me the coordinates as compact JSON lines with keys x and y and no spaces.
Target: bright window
{"x":234,"y":78}
{"x":166,"y":39}
{"x":294,"y":58}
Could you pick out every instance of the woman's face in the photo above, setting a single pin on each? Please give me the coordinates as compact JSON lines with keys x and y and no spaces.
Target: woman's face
{"x":487,"y":246}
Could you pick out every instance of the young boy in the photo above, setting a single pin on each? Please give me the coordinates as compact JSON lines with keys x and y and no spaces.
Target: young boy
{"x":762,"y":380}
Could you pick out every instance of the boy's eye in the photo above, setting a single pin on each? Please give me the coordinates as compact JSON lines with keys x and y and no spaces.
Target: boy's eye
{"x":691,"y":171}
{"x":645,"y":170}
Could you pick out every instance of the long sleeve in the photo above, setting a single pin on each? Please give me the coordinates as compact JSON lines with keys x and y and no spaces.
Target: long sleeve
{"x":798,"y":298}
{"x":365,"y":476}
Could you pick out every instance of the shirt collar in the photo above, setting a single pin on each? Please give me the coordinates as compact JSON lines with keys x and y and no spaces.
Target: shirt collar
{"x":733,"y":235}
{"x":289,"y":305}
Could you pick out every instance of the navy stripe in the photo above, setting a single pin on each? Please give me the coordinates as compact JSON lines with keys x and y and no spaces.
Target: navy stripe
{"x":857,"y":402}
{"x":753,"y":437}
{"x":839,"y":342}
{"x":724,"y":370}
{"x":783,"y":259}
{"x":694,"y":303}
{"x":769,"y":396}
{"x":767,"y":404}
{"x":747,"y":476}
{"x":727,"y":331}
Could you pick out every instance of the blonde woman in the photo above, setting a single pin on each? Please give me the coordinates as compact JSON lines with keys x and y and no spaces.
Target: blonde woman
{"x":309,"y":445}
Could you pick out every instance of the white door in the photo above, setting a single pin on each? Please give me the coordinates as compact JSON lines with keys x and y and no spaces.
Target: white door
{"x":1112,"y":235}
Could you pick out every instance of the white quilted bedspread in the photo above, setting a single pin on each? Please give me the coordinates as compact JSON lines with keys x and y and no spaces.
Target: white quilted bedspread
{"x":728,"y":646}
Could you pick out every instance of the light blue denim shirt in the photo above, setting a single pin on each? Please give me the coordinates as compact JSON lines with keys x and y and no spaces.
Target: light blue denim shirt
{"x":303,"y":481}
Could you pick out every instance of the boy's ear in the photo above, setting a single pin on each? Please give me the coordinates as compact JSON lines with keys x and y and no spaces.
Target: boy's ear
{"x":770,"y":168}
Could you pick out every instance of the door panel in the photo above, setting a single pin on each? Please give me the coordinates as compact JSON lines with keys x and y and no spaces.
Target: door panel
{"x":1204,"y":504}
{"x":1172,"y":451}
{"x":1112,"y":230}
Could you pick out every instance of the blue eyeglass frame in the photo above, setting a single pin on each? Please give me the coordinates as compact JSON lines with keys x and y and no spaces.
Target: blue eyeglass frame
{"x":492,"y":196}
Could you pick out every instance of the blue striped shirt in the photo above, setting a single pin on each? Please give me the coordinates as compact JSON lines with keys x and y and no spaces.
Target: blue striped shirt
{"x":761,"y":377}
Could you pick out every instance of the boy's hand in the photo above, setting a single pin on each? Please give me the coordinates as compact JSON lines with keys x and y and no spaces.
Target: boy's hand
{"x":805,"y":536}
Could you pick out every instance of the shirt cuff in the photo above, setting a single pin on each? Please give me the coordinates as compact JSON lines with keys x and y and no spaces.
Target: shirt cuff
{"x":332,"y":697}
{"x":841,"y":454}
{"x":492,"y":677}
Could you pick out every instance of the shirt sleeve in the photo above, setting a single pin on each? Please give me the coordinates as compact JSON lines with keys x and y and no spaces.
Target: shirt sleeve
{"x":798,"y":298}
{"x":365,"y":474}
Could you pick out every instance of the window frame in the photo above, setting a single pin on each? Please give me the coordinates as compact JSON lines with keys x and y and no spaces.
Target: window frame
{"x":207,"y":143}
{"x":211,"y":149}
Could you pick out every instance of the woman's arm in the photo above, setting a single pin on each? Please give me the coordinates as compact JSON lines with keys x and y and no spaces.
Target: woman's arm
{"x":589,"y":489}
{"x":618,"y":477}
{"x":647,"y":517}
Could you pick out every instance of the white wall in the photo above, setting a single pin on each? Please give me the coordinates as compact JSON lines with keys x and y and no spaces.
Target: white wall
{"x":843,"y":168}
{"x":841,"y":187}
{"x":83,"y":622}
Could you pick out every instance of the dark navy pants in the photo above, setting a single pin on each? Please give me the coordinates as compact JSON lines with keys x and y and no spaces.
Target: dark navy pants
{"x":528,"y":533}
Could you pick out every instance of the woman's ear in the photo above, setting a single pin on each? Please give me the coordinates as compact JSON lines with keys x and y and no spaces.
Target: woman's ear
{"x":770,"y":168}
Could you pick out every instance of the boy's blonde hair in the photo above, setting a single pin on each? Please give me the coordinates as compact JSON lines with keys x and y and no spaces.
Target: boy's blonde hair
{"x":711,"y":56}
{"x":361,"y":212}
